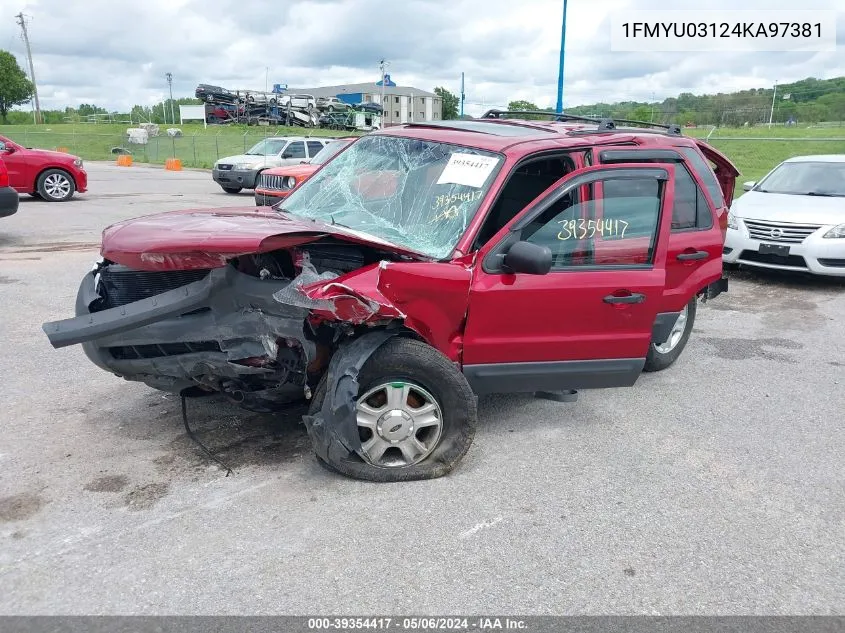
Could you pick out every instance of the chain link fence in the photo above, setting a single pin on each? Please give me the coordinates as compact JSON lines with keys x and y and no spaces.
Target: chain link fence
{"x":194,"y":150}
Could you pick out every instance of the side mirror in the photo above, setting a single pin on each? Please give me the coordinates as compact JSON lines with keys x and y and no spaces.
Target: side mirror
{"x":748,"y":186}
{"x":287,"y":155}
{"x":7,"y":149}
{"x":528,"y":258}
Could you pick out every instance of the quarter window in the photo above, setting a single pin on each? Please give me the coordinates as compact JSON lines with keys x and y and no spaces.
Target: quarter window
{"x":616,"y":227}
{"x":706,"y":174}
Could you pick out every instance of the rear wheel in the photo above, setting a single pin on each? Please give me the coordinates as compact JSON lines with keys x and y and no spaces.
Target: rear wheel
{"x":55,"y":185}
{"x":416,"y":415}
{"x":232,"y":189}
{"x":665,"y":354}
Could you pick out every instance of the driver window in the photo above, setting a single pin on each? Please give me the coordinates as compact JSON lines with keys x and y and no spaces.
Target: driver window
{"x":616,"y":225}
{"x":295,"y":149}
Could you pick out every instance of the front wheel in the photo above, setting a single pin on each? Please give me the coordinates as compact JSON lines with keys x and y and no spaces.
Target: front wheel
{"x":665,"y":354}
{"x":415,"y":412}
{"x":232,"y":189}
{"x":55,"y":185}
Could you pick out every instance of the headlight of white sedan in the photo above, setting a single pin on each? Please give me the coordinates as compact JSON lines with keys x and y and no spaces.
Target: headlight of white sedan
{"x":732,"y":223}
{"x":836,"y":231}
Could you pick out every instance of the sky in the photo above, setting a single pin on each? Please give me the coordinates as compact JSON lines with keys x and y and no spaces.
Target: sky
{"x":115,"y":53}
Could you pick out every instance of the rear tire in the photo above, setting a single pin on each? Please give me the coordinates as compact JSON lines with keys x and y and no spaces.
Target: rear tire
{"x":55,"y":185}
{"x":232,"y":189}
{"x":427,"y":381}
{"x":662,"y":356}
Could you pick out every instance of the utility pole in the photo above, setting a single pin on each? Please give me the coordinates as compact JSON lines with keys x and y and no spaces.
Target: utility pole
{"x":772,"y":111}
{"x":382,"y":63}
{"x":169,"y":77}
{"x":266,"y":78}
{"x":560,"y":72}
{"x":462,"y":95}
{"x":22,"y":22}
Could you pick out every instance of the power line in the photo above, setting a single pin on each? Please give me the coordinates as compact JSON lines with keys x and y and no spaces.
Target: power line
{"x":22,"y":22}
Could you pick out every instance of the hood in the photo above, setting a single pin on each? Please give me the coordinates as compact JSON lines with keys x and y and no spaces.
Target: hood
{"x":58,"y":156}
{"x":247,"y":158}
{"x":208,"y":238}
{"x":782,"y":207}
{"x":297,"y":171}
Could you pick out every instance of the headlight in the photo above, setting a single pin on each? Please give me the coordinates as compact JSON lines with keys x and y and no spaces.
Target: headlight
{"x":836,"y":231}
{"x":248,"y":166}
{"x":290,"y":182}
{"x":732,"y":223}
{"x":78,"y":162}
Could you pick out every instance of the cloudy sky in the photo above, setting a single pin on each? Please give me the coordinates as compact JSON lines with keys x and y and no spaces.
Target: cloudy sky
{"x":115,"y":53}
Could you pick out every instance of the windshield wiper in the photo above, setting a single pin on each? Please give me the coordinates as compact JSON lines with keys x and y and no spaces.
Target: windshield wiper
{"x":826,"y":194}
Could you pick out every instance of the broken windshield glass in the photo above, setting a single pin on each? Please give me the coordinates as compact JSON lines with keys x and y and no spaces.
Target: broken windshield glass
{"x":417,"y":194}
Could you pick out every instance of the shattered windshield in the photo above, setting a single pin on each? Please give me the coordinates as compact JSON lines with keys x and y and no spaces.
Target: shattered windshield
{"x":266,"y":147}
{"x":417,"y":194}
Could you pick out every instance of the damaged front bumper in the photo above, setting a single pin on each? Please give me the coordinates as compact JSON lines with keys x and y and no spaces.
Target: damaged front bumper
{"x":224,"y":327}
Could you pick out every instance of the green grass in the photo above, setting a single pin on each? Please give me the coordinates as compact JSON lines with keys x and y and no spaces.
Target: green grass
{"x":198,"y":147}
{"x":753,"y":150}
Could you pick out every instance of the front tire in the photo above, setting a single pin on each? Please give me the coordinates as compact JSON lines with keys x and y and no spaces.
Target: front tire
{"x":664,"y":355}
{"x":416,"y":415}
{"x":232,"y":189}
{"x":55,"y":185}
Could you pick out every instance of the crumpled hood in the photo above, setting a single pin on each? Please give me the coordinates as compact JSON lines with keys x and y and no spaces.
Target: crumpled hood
{"x":208,"y":238}
{"x":781,"y":207}
{"x":248,"y":158}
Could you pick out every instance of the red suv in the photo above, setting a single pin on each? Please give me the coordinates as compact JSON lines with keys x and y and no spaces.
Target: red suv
{"x":52,"y":176}
{"x":424,"y":265}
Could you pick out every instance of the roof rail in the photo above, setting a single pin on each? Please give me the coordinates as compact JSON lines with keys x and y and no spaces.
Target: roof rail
{"x":604,"y":124}
{"x":558,"y":116}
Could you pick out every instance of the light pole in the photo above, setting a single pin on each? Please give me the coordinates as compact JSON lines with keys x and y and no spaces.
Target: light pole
{"x":560,"y":72}
{"x":169,"y":77}
{"x":772,"y":111}
{"x":462,"y":95}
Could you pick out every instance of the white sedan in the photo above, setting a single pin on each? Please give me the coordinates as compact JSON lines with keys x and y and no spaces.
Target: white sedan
{"x":793,"y":219}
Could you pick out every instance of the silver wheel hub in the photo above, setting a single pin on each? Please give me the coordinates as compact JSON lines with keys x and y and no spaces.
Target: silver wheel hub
{"x":56,"y":185}
{"x":400,"y":424}
{"x":676,"y":334}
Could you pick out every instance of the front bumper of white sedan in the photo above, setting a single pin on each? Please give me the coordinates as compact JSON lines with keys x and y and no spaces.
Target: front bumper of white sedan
{"x":785,"y":246}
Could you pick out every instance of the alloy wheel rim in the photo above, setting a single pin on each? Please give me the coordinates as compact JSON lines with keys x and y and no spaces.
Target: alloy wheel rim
{"x":57,"y":186}
{"x":676,"y":334}
{"x":400,"y":424}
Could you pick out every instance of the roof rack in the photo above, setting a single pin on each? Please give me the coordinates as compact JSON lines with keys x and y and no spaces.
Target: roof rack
{"x":604,"y":124}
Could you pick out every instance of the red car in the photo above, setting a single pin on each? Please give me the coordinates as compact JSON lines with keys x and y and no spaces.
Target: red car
{"x":9,"y":198}
{"x":276,"y":183}
{"x":52,"y":176}
{"x":499,"y":256}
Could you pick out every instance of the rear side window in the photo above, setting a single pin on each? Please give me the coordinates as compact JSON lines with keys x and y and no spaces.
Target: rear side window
{"x":706,"y":174}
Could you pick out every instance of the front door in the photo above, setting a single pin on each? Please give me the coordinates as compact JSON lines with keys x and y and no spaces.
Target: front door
{"x":588,"y":322}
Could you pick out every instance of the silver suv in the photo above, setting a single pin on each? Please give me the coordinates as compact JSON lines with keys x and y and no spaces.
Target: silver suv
{"x":331,"y":104}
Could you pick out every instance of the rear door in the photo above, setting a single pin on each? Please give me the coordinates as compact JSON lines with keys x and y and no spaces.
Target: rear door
{"x":314,"y":148}
{"x":694,"y":257}
{"x":588,"y":323}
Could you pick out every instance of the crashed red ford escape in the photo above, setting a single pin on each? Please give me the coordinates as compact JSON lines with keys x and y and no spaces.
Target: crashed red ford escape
{"x":420,"y":267}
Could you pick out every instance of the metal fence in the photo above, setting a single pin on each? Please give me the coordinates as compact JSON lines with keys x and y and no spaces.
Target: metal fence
{"x":194,"y":150}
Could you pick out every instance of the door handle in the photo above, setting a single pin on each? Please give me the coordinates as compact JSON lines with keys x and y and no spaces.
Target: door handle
{"x":685,"y":257}
{"x":629,"y":298}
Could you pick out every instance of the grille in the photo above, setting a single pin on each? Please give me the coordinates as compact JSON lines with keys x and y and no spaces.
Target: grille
{"x":120,"y":285}
{"x":224,"y":167}
{"x":785,"y":232}
{"x":765,"y":258}
{"x":135,"y":352}
{"x":269,"y":181}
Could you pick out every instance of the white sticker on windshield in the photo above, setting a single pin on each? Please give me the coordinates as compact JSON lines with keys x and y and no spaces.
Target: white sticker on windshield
{"x":467,"y":169}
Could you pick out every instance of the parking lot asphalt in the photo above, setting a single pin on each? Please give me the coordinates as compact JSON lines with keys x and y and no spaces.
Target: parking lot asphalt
{"x":715,"y":487}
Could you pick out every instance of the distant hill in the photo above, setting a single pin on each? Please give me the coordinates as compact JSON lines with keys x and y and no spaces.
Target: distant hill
{"x":807,"y":101}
